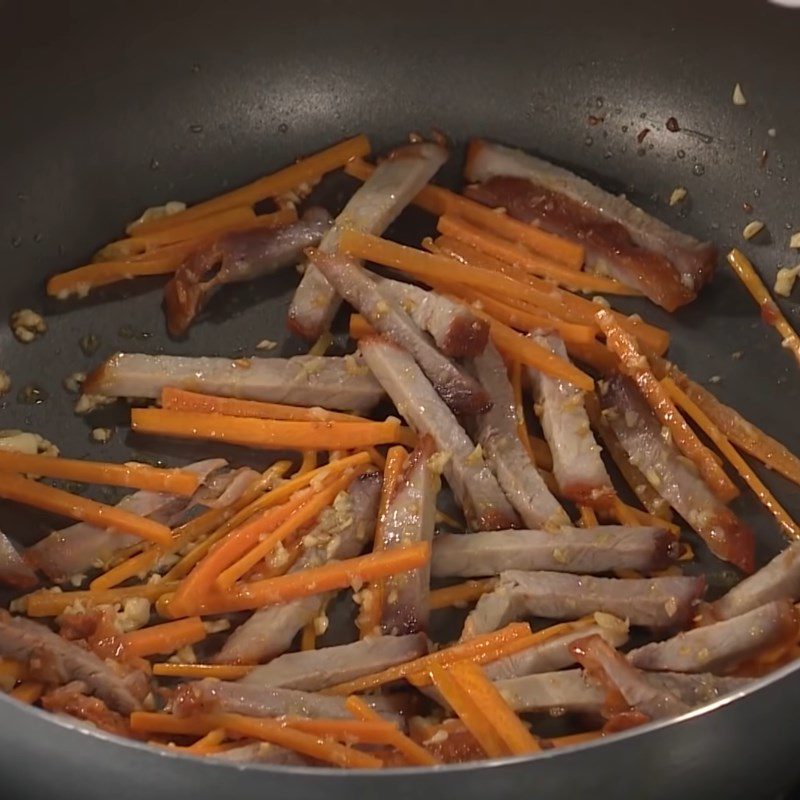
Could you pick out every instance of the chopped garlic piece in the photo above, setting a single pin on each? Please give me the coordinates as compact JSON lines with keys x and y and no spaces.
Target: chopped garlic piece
{"x":135,"y":614}
{"x":91,"y":402}
{"x":73,"y":382}
{"x":677,"y":196}
{"x":752,"y":229}
{"x":266,"y":344}
{"x":29,"y":443}
{"x":738,"y":96}
{"x":102,"y":435}
{"x":784,"y":281}
{"x":26,"y":325}
{"x":601,"y":301}
{"x":157,"y":212}
{"x":5,"y":381}
{"x":795,"y":241}
{"x":610,"y":622}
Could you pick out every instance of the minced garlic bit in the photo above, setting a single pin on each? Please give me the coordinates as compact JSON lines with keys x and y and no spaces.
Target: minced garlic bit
{"x":25,"y":442}
{"x":5,"y":381}
{"x":440,"y":736}
{"x":715,"y":379}
{"x":794,"y":242}
{"x":26,"y":325}
{"x":772,"y":133}
{"x":90,"y":402}
{"x":266,"y":344}
{"x":321,"y":623}
{"x":102,"y":435}
{"x":601,"y":301}
{"x":677,"y":196}
{"x":216,"y":625}
{"x":738,"y":96}
{"x":784,"y":281}
{"x":157,"y":212}
{"x":475,"y":457}
{"x":438,"y":461}
{"x":752,"y":229}
{"x":354,"y":367}
{"x":74,"y":381}
{"x":610,"y":622}
{"x":134,"y":614}
{"x":185,"y":655}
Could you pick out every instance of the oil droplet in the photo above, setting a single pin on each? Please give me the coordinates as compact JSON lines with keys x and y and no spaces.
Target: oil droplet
{"x":681,"y":154}
{"x":608,"y":154}
{"x":196,"y":128}
{"x":283,"y":127}
{"x":698,"y":169}
{"x":599,"y":102}
{"x":154,"y":165}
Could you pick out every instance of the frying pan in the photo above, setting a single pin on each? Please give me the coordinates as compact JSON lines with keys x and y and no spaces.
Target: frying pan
{"x":110,"y":106}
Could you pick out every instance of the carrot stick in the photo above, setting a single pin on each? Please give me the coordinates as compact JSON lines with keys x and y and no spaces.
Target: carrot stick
{"x":208,"y":742}
{"x":307,"y":582}
{"x":40,"y":495}
{"x":414,"y":753}
{"x":588,"y":517}
{"x":308,"y":462}
{"x":267,"y":730}
{"x":365,"y":731}
{"x":266,"y":434}
{"x":624,"y":513}
{"x":644,"y":518}
{"x":510,"y":253}
{"x":130,"y":475}
{"x":182,"y":400}
{"x":575,"y":738}
{"x":442,"y":201}
{"x":44,"y":603}
{"x":82,"y":280}
{"x":461,"y":593}
{"x":11,"y":672}
{"x":485,"y":648}
{"x":770,"y":312}
{"x":483,"y":693}
{"x":469,"y":712}
{"x":224,"y":672}
{"x":515,"y":374}
{"x":789,"y":526}
{"x":308,"y":636}
{"x":636,"y":367}
{"x":369,"y":617}
{"x":165,"y":638}
{"x":359,"y":328}
{"x":298,"y":518}
{"x":542,"y":456}
{"x":306,"y":170}
{"x":27,"y":692}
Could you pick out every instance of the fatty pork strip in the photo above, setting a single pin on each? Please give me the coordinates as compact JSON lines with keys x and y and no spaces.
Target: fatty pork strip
{"x":341,"y":384}
{"x":52,"y":659}
{"x":473,"y":483}
{"x":497,"y":434}
{"x":657,"y":603}
{"x":618,"y":676}
{"x":82,"y":547}
{"x":14,"y":570}
{"x":721,"y":645}
{"x":667,"y":266}
{"x":374,"y":206}
{"x":554,"y":653}
{"x":313,"y":670}
{"x":235,"y":257}
{"x":574,"y":691}
{"x":672,"y":476}
{"x":579,"y":550}
{"x":577,"y":466}
{"x":341,"y":532}
{"x":462,"y":393}
{"x":778,"y":580}
{"x":458,"y":333}
{"x":409,"y":518}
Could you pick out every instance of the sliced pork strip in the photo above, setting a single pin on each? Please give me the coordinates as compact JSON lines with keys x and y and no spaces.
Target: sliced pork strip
{"x":658,"y":603}
{"x":672,"y":476}
{"x":473,"y":483}
{"x":458,"y":333}
{"x":14,"y":570}
{"x":554,"y":654}
{"x":462,"y":393}
{"x":82,"y":547}
{"x":235,"y":257}
{"x":226,"y":487}
{"x":617,"y":674}
{"x":53,"y":659}
{"x":778,"y":580}
{"x":374,"y":206}
{"x":577,"y":466}
{"x":341,"y":532}
{"x":409,"y":518}
{"x":578,"y":550}
{"x":313,"y":670}
{"x":721,"y":645}
{"x":338,"y":383}
{"x":669,"y":267}
{"x":496,"y":430}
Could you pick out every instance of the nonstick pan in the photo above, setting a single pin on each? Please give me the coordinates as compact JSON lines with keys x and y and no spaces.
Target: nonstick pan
{"x":112,"y":106}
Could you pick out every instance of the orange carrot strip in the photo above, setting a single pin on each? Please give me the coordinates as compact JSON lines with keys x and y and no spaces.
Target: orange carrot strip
{"x":369,"y":617}
{"x":208,"y":742}
{"x":542,"y":456}
{"x":11,"y":672}
{"x":40,"y":495}
{"x":636,"y":367}
{"x":165,"y":638}
{"x":770,"y":312}
{"x":44,"y":603}
{"x":624,"y":513}
{"x":483,"y":693}
{"x":306,"y":170}
{"x":182,"y":400}
{"x":298,"y":518}
{"x":360,"y":328}
{"x":488,"y":647}
{"x":130,"y":475}
{"x":588,"y":517}
{"x":308,"y":462}
{"x":316,"y":580}
{"x":789,"y":526}
{"x":515,"y":373}
{"x":266,"y":434}
{"x":366,"y":731}
{"x":27,"y":692}
{"x":658,"y":522}
{"x":267,"y":730}
{"x":461,"y":593}
{"x":308,"y":637}
{"x":415,"y":754}
{"x":575,"y":738}
{"x":225,"y":672}
{"x":469,"y":712}
{"x":510,"y":253}
{"x":92,"y":276}
{"x":442,"y":201}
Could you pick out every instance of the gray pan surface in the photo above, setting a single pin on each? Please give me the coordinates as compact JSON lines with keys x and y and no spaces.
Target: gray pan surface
{"x":109,"y":107}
